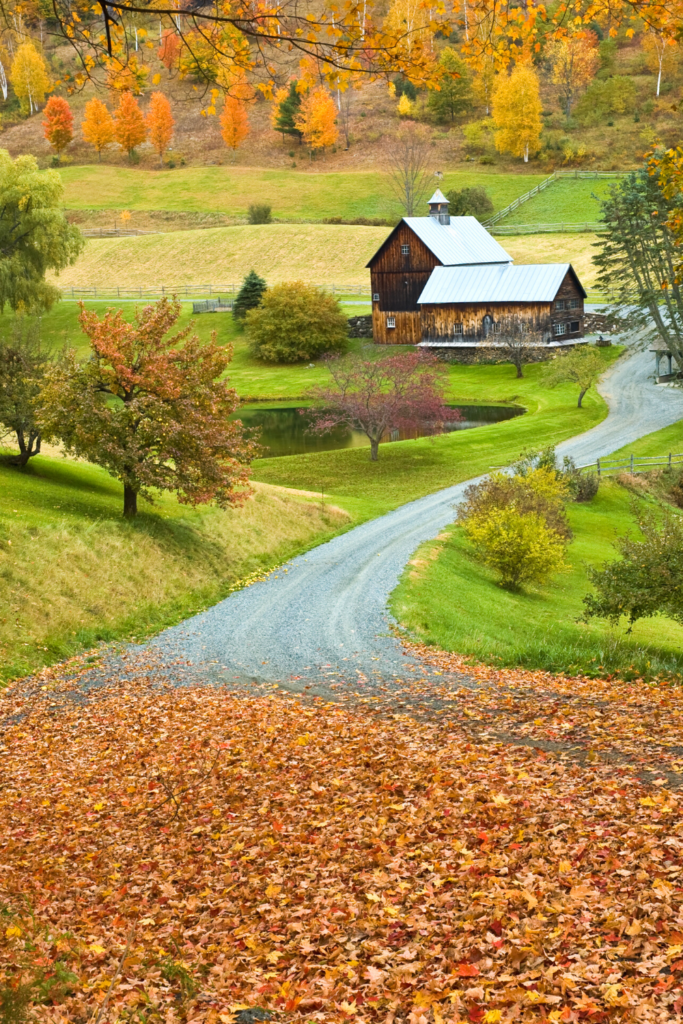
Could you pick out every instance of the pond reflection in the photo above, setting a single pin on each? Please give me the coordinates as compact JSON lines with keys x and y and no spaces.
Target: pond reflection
{"x":284,"y":429}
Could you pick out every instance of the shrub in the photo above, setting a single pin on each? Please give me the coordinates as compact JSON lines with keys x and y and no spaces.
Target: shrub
{"x":260,"y":213}
{"x":470,"y":202}
{"x":519,"y":547}
{"x":294,"y":322}
{"x":249,"y":295}
{"x":615,"y":95}
{"x":586,"y":486}
{"x":539,"y":490}
{"x":648,"y":580}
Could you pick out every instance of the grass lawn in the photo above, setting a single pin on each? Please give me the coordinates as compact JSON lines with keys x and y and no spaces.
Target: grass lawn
{"x":409,"y":469}
{"x":310,"y":193}
{"x":317,"y":253}
{"x":448,"y":599}
{"x":73,"y":572}
{"x":567,"y":200}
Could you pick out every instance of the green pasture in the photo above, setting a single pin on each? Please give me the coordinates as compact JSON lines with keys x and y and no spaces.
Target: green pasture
{"x":661,"y":442}
{"x":567,"y":200}
{"x":407,"y":470}
{"x":304,"y":194}
{"x":447,"y":598}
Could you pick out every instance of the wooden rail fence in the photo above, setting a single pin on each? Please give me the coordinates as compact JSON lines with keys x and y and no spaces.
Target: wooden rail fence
{"x":190,"y":291}
{"x":542,"y":185}
{"x":634,"y":463}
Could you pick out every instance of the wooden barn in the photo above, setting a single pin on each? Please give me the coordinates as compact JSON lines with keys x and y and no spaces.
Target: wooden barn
{"x":444,"y":282}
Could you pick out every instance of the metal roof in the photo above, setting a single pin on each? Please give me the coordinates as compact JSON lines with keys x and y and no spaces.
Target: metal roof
{"x":462,"y":242}
{"x":503,"y":282}
{"x":438,"y":197}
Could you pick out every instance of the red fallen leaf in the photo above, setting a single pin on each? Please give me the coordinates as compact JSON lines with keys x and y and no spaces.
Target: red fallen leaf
{"x":468,"y":970}
{"x":496,"y":927}
{"x":277,"y":825}
{"x":677,"y":965}
{"x":483,"y":837}
{"x":476,"y":1013}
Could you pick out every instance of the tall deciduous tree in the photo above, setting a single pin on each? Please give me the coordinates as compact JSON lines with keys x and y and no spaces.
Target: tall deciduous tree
{"x":58,"y":123}
{"x":403,"y":392}
{"x":153,"y":408}
{"x":317,"y":119}
{"x":234,"y":122}
{"x":516,"y":110}
{"x":454,"y":94}
{"x":159,"y":122}
{"x":29,"y":77}
{"x":97,"y":126}
{"x":575,"y":60}
{"x":34,"y":234}
{"x":662,"y":52}
{"x":407,"y":163}
{"x":129,"y":124}
{"x":23,"y":361}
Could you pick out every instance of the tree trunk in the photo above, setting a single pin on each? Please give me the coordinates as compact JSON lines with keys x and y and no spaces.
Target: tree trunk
{"x":520,"y":372}
{"x":581,"y":394}
{"x":130,"y":501}
{"x":374,"y":450}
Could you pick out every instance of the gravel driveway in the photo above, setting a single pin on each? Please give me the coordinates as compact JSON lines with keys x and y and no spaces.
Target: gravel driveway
{"x":325,"y":615}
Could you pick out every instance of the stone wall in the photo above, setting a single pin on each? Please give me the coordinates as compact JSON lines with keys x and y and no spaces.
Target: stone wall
{"x":360,"y":326}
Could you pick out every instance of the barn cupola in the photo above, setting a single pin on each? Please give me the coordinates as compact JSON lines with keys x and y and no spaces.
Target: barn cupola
{"x":438,"y":207}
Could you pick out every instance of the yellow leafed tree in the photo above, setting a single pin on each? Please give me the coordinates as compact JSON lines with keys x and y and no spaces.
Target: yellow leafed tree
{"x":408,"y":21}
{"x":234,"y":122}
{"x":575,"y":60}
{"x":317,"y":119}
{"x":405,"y":108}
{"x":29,"y":77}
{"x":662,"y":53}
{"x":516,"y":110}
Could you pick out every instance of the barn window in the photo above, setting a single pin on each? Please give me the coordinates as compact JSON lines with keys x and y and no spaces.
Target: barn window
{"x":574,"y":303}
{"x":457,"y":328}
{"x":391,"y":321}
{"x":559,"y":330}
{"x":574,"y":327}
{"x":405,"y":250}
{"x":375,"y":297}
{"x":559,"y":304}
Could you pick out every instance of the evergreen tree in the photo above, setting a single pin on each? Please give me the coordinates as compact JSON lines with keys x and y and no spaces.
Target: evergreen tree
{"x":454,"y":95}
{"x":288,"y":108}
{"x":249,"y":295}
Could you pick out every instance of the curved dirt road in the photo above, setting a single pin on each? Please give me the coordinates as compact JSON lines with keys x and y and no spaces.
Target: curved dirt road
{"x":324,"y":616}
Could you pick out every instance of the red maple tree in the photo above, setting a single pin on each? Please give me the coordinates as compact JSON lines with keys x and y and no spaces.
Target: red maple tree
{"x":153,"y":408}
{"x":397,"y":392}
{"x":58,"y":122}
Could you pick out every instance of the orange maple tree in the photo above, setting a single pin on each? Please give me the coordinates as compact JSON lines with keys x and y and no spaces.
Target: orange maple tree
{"x":159,"y":123}
{"x":129,"y":124}
{"x":58,"y":123}
{"x":97,"y":126}
{"x":166,"y":424}
{"x":317,"y":119}
{"x":234,"y":122}
{"x":169,"y":50}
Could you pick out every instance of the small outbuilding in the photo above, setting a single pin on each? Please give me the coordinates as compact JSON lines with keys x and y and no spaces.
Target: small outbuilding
{"x":444,"y":282}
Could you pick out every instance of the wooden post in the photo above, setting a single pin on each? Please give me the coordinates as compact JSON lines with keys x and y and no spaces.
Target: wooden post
{"x":669,"y":460}
{"x":597,"y":464}
{"x":631,"y":462}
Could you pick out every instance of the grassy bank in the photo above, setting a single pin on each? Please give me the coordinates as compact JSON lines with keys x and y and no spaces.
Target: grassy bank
{"x":568,"y":200}
{"x":73,"y":573}
{"x":317,"y":253}
{"x":306,"y":193}
{"x":661,"y":442}
{"x":409,"y":469}
{"x":448,"y":599}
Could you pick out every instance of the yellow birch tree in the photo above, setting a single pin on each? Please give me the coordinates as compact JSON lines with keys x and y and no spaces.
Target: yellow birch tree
{"x":29,"y":77}
{"x":516,"y":110}
{"x":317,"y":119}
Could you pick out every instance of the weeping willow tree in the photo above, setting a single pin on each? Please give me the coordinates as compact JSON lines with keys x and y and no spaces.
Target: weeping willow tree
{"x":638,"y":258}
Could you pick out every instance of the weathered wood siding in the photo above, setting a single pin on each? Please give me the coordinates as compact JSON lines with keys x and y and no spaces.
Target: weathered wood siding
{"x":439,"y":321}
{"x":398,"y":278}
{"x":567,"y":292}
{"x":407,"y":331}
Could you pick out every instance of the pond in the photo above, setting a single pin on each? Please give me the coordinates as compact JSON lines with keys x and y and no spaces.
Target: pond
{"x":284,"y":428}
